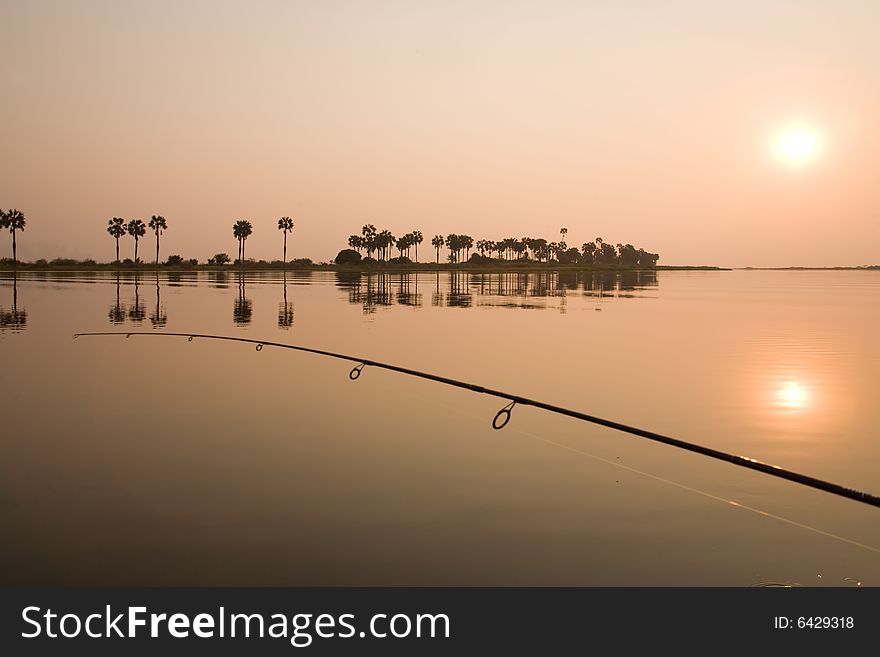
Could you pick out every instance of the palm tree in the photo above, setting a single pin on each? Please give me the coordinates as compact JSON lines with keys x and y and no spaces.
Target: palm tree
{"x":417,"y":239}
{"x":157,"y":225}
{"x":437,"y":242}
{"x":384,"y":240}
{"x":453,"y":242}
{"x":241,"y":229}
{"x":562,"y":232}
{"x":137,"y":229}
{"x":466,"y":243}
{"x":116,"y":228}
{"x":369,"y":240}
{"x":599,"y":252}
{"x":13,"y":220}
{"x":285,"y":224}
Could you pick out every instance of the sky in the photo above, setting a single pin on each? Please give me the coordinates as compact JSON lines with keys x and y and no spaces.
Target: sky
{"x":641,"y":122}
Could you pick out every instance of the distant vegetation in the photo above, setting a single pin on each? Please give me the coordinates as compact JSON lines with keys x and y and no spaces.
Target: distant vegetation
{"x":509,"y":249}
{"x":371,"y":248}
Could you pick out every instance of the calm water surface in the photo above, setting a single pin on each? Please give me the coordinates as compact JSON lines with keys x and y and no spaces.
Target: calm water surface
{"x":159,"y":461}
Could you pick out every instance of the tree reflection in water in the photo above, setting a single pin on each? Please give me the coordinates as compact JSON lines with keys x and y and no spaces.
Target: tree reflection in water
{"x":285,"y":308}
{"x":496,"y":289}
{"x":13,"y":320}
{"x":218,"y":279}
{"x":243,"y":308}
{"x":158,"y":318}
{"x":138,"y":312}
{"x":459,"y":295}
{"x":116,"y":314}
{"x":408,"y":291}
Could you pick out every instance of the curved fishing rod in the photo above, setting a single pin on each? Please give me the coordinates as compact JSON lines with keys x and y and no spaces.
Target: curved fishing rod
{"x":502,"y":417}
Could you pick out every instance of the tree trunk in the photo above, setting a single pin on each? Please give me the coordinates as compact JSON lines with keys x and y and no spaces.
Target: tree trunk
{"x":157,"y":248}
{"x":117,"y":250}
{"x":135,"y":249}
{"x":14,"y":254}
{"x":285,"y":247}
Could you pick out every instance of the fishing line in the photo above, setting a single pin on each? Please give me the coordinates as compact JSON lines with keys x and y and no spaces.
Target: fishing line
{"x":503,"y":416}
{"x":671,"y":482}
{"x":704,"y":493}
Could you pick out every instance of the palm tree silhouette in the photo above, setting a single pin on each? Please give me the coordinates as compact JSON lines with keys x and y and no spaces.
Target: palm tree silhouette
{"x":285,"y":224}
{"x":157,"y":225}
{"x":437,"y":242}
{"x":385,"y":240}
{"x":14,"y":221}
{"x":116,"y":228}
{"x":369,"y":239}
{"x":417,"y":239}
{"x":137,"y":229}
{"x":562,"y":233}
{"x":241,"y":229}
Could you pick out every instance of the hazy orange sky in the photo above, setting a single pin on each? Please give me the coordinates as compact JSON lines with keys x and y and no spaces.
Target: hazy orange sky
{"x":643,"y":122}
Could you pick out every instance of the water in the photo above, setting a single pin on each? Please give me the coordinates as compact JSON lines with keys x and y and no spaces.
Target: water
{"x":159,"y":461}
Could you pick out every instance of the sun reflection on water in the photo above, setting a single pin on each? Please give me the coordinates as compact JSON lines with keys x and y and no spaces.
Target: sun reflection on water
{"x":793,"y":395}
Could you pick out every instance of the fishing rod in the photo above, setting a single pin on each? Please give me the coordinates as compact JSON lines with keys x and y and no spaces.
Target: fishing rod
{"x":502,"y":417}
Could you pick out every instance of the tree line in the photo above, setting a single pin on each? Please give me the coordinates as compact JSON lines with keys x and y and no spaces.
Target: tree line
{"x":241,"y":230}
{"x":522,"y":249}
{"x":117,"y":227}
{"x":381,"y":243}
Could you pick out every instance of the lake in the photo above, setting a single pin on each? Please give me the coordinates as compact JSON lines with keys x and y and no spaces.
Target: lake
{"x":158,"y":461}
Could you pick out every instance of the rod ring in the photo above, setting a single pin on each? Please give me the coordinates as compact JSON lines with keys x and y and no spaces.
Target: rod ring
{"x":190,"y":339}
{"x":356,"y":372}
{"x":260,"y":347}
{"x":503,"y":415}
{"x":500,"y":425}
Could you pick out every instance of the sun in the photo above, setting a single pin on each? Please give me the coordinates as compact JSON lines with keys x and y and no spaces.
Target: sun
{"x":798,"y":144}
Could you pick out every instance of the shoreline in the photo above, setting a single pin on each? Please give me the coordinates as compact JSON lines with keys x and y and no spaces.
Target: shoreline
{"x":391,"y":268}
{"x":397,"y":268}
{"x":839,"y":268}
